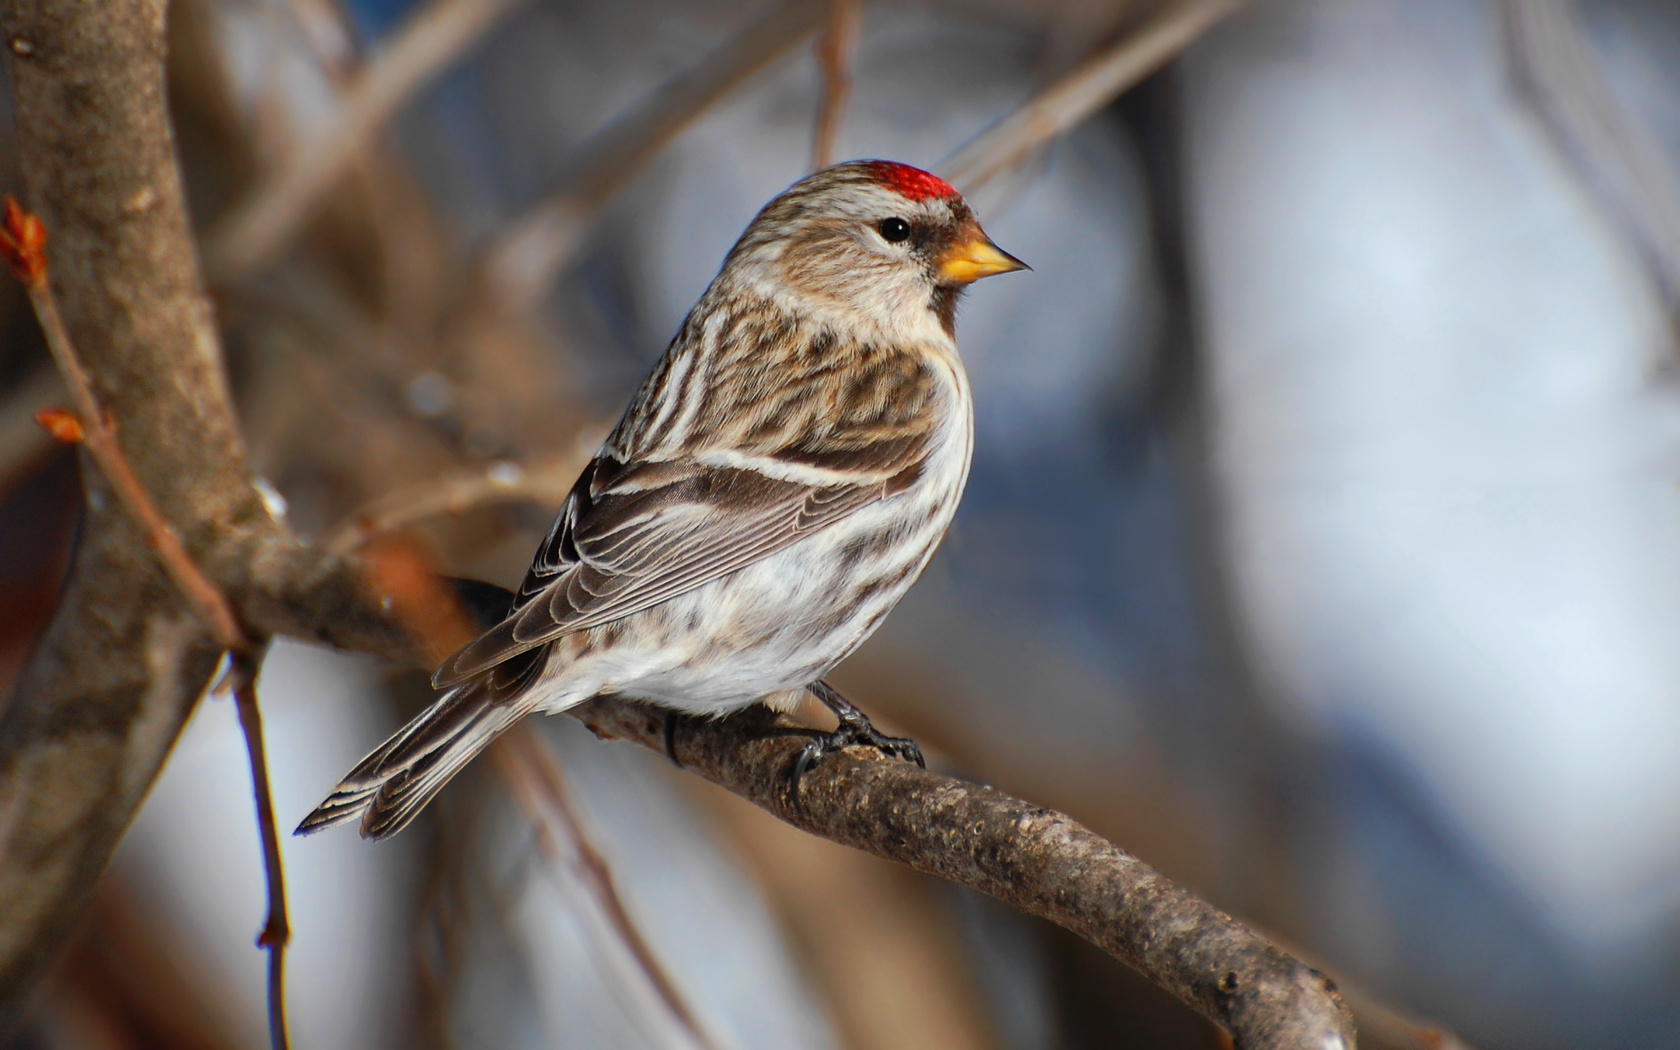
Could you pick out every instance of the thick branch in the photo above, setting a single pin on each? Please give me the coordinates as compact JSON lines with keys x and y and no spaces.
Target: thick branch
{"x":1036,"y":860}
{"x":125,"y":658}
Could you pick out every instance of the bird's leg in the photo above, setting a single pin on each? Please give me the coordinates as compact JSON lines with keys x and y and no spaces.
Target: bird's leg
{"x":671,"y":718}
{"x":854,"y":729}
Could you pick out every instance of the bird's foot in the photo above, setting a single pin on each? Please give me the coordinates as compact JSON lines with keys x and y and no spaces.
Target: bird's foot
{"x":671,"y":719}
{"x":854,"y":730}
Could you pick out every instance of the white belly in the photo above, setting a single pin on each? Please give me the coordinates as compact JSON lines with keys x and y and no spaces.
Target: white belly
{"x":777,"y":624}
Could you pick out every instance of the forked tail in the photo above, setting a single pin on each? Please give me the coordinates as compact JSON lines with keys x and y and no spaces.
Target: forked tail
{"x":389,"y":787}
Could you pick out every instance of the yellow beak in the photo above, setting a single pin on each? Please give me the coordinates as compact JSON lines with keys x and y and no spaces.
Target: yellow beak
{"x":974,"y":258}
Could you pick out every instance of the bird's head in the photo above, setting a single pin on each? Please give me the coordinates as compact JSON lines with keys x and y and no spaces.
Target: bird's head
{"x":882,"y":242}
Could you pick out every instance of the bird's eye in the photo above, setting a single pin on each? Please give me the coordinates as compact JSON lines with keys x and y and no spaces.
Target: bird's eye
{"x":894,"y":229}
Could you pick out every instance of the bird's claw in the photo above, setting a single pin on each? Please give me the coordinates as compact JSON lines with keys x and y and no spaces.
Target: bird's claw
{"x":671,"y":718}
{"x":854,"y":730}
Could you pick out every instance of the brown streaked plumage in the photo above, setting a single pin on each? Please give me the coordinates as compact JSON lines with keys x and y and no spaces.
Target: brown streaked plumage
{"x":774,"y":487}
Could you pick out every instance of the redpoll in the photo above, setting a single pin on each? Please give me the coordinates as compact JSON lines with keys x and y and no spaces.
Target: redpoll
{"x":774,"y":488}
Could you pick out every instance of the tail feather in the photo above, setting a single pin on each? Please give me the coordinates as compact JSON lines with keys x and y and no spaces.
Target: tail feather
{"x":389,"y":787}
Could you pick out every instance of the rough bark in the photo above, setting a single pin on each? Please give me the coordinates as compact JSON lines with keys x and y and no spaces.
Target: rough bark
{"x":100,"y":705}
{"x":1036,"y":860}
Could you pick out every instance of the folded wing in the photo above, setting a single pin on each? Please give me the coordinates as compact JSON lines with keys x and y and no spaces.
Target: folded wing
{"x":633,"y":535}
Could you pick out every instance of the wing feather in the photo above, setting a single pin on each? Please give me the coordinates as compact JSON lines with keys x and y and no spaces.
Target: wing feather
{"x":645,"y":523}
{"x":615,"y":557}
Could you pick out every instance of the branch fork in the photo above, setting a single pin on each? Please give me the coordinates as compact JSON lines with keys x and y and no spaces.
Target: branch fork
{"x":23,"y":243}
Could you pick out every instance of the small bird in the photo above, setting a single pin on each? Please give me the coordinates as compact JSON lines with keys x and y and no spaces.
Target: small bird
{"x":774,"y":487}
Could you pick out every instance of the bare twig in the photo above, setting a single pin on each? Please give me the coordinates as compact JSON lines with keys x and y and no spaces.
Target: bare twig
{"x":1087,"y":88}
{"x":276,"y":932}
{"x":1031,"y":858}
{"x":1385,"y":1028}
{"x":545,"y":483}
{"x":426,"y":45}
{"x":127,"y":655}
{"x":523,"y":258}
{"x":834,"y":56}
{"x":23,"y":243}
{"x":534,"y":778}
{"x":1617,"y":154}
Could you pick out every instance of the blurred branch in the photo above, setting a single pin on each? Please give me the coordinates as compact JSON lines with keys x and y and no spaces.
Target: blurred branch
{"x":1617,"y":155}
{"x":1087,"y":88}
{"x":277,"y":930}
{"x":23,"y":240}
{"x":125,"y":659}
{"x":428,"y":43}
{"x":533,"y":776}
{"x":23,"y":245}
{"x":546,"y":484}
{"x":525,"y":256}
{"x":1385,"y":1028}
{"x":835,"y":48}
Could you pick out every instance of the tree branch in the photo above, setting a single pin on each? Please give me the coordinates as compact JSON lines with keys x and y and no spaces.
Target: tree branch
{"x":1554,"y":63}
{"x":1087,"y":88}
{"x":835,"y":47}
{"x":23,"y":244}
{"x":533,"y":776}
{"x":125,"y":658}
{"x":277,"y":929}
{"x":427,"y":43}
{"x":1035,"y":860}
{"x":530,"y":250}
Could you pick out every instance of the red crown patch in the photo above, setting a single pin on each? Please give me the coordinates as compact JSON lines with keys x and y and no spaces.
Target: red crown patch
{"x":910,"y":183}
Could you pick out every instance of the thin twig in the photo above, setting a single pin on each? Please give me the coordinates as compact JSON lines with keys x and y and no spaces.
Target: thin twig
{"x":427,"y":44}
{"x":1086,"y":89}
{"x":537,"y":784}
{"x":835,"y":48}
{"x":1615,"y":152}
{"x":276,"y":931}
{"x":524,"y":257}
{"x":23,"y":243}
{"x":1382,"y":1025}
{"x":1385,"y":1028}
{"x":545,"y":483}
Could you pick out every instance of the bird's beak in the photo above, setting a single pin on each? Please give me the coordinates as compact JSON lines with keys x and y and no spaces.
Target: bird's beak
{"x":974,"y":257}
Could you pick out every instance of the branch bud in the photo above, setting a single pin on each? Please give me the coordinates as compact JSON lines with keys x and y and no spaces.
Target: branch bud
{"x":62,"y":424}
{"x":23,"y":242}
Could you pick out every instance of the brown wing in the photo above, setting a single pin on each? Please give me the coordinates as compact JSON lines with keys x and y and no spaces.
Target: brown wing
{"x":631,"y":536}
{"x":837,"y":427}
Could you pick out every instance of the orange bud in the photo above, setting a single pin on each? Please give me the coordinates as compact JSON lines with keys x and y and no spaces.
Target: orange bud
{"x":23,"y":242}
{"x":62,"y":424}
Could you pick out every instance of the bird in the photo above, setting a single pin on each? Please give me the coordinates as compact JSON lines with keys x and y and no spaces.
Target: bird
{"x":776,"y":484}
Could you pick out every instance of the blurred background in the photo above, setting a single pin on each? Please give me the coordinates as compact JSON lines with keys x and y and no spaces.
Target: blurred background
{"x":1322,"y":545}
